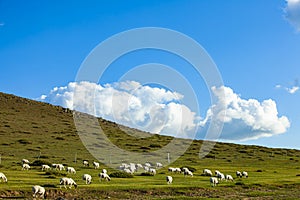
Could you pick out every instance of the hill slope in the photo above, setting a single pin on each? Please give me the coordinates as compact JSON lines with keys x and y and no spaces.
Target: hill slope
{"x":35,"y":130}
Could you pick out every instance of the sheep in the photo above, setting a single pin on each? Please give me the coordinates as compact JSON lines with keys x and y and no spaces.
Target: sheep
{"x":169,"y":179}
{"x":67,"y":181}
{"x":177,"y":169}
{"x":25,"y":166}
{"x":214,"y":181}
{"x":188,"y":173}
{"x":228,"y":177}
{"x":146,"y":168}
{"x":148,"y":165}
{"x":207,"y":172}
{"x":217,"y":172}
{"x":239,"y":174}
{"x":45,"y":167}
{"x":139,"y":166}
{"x":104,"y":171}
{"x":245,"y":174}
{"x":71,"y":170}
{"x":184,"y":169}
{"x":59,"y":167}
{"x":87,"y":178}
{"x":3,"y":177}
{"x":152,"y":171}
{"x":172,"y":169}
{"x":85,"y":163}
{"x":96,"y":165}
{"x":159,"y":165}
{"x":104,"y":176}
{"x":128,"y":171}
{"x":37,"y":189}
{"x":221,"y":176}
{"x":25,"y":161}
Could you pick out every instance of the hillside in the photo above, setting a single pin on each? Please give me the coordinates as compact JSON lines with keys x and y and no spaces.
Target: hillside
{"x":36,"y":130}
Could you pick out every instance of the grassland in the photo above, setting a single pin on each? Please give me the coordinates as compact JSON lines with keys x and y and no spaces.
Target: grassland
{"x":45,"y":133}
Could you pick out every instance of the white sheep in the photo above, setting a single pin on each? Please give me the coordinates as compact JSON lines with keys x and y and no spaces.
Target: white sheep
{"x":139,"y":166}
{"x":148,"y":165}
{"x":152,"y":171}
{"x":25,"y":161}
{"x":128,"y":171}
{"x":67,"y":181}
{"x":228,"y":177}
{"x":178,"y":170}
{"x":60,"y":167}
{"x":184,"y":169}
{"x":207,"y":172}
{"x":217,"y":172}
{"x":239,"y":174}
{"x":169,"y":179}
{"x":214,"y":181}
{"x":221,"y":176}
{"x":172,"y":169}
{"x":85,"y":163}
{"x":25,"y":166}
{"x":45,"y":167}
{"x":188,"y":173}
{"x":245,"y":174}
{"x":96,"y":165}
{"x":71,"y":170}
{"x":3,"y":177}
{"x":146,"y":168}
{"x":104,"y":171}
{"x":39,"y":190}
{"x":159,"y":165}
{"x":104,"y":176}
{"x":87,"y":178}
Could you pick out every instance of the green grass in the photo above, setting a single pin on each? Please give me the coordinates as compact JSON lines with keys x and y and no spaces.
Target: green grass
{"x":39,"y":131}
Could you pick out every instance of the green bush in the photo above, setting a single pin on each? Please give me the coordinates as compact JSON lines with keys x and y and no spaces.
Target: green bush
{"x":120,"y":174}
{"x":40,"y":163}
{"x":146,"y":174}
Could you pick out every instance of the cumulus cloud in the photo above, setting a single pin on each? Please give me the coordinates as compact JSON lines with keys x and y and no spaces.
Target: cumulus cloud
{"x":244,"y":119}
{"x":160,"y":111}
{"x":292,"y":13}
{"x":129,"y":103}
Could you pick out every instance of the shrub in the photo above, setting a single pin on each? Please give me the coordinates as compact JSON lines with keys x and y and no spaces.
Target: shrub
{"x":259,"y":170}
{"x":120,"y":174}
{"x":40,"y":163}
{"x":146,"y":174}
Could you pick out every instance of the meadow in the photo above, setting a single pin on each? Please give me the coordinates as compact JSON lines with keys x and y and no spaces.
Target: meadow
{"x":43,"y":133}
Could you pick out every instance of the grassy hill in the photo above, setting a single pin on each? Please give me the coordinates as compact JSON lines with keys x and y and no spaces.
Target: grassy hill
{"x":44,"y":133}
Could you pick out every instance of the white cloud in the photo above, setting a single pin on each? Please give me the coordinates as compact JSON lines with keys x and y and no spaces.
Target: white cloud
{"x":244,"y":119}
{"x":159,"y":111}
{"x":129,"y":103}
{"x":290,"y":90}
{"x":292,"y":13}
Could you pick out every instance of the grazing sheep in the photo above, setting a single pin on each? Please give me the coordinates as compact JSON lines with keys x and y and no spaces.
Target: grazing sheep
{"x":245,"y":174}
{"x":45,"y":167}
{"x":25,"y":161}
{"x":37,"y":189}
{"x":148,"y":165}
{"x":188,"y":173}
{"x":67,"y":181}
{"x":25,"y":166}
{"x":139,"y":166}
{"x":221,"y":176}
{"x":228,"y":177}
{"x":214,"y":181}
{"x":152,"y":171}
{"x":104,"y":176}
{"x":87,"y":178}
{"x":3,"y":177}
{"x":104,"y":171}
{"x":159,"y":165}
{"x":71,"y":170}
{"x":86,"y":163}
{"x":172,"y":169}
{"x":217,"y":172}
{"x":60,"y":167}
{"x":239,"y":174}
{"x":96,"y":165}
{"x":178,"y":170}
{"x":207,"y":172}
{"x":169,"y":179}
{"x":184,"y":169}
{"x":146,"y":169}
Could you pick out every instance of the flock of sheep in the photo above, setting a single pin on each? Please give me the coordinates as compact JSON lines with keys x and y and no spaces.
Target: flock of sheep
{"x":39,"y":191}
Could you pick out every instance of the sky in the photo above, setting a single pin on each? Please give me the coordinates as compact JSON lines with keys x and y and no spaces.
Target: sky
{"x":253,"y":44}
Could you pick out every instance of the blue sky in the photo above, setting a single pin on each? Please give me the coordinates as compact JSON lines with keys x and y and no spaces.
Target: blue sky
{"x":255,"y":45}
